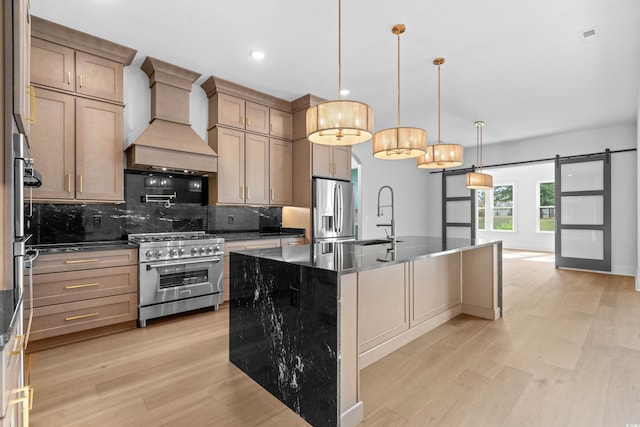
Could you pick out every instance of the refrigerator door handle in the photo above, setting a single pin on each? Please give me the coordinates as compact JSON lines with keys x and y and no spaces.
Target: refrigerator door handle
{"x":340,"y":210}
{"x":335,"y":208}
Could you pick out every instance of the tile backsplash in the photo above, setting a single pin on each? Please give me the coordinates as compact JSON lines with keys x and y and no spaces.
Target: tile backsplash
{"x":67,"y":223}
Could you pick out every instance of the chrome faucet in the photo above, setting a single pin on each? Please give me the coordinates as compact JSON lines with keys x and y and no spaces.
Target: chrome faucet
{"x":392,"y":224}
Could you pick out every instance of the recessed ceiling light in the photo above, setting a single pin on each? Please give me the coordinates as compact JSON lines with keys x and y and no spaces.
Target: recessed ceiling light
{"x":344,"y":92}
{"x":256,"y":54}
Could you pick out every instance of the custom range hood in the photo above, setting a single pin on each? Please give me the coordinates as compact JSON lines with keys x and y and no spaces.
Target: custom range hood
{"x":169,"y":143}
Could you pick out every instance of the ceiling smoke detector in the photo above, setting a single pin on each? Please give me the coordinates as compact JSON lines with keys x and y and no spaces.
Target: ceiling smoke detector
{"x":590,"y":34}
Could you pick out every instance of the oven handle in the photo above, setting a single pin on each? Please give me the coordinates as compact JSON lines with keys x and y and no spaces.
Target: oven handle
{"x":195,"y":261}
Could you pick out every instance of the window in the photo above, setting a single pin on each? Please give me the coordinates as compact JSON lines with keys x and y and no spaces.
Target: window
{"x":546,"y":206}
{"x":503,"y":207}
{"x":481,"y":198}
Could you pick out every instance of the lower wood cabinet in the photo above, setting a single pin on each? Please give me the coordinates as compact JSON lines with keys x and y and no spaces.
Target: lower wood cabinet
{"x":435,"y":287}
{"x":80,"y":291}
{"x":383,"y":305}
{"x":59,"y":319}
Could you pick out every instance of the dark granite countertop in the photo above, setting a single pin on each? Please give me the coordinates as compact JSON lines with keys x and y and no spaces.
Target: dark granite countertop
{"x":55,"y":248}
{"x":258,"y":235}
{"x":8,"y":310}
{"x":349,"y":257}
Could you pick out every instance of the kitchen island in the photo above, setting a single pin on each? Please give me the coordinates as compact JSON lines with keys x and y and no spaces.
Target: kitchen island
{"x":304,"y":320}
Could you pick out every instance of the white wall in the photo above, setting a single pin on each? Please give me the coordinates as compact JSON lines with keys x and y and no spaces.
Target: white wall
{"x":624,"y":179}
{"x":525,"y":180}
{"x":406,"y":180}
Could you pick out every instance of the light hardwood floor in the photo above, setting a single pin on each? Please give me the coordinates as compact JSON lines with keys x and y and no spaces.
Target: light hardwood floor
{"x":566,"y":353}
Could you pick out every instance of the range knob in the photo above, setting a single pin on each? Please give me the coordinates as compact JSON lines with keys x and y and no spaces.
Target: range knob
{"x":194,"y":251}
{"x":158,"y":253}
{"x":148,"y":254}
{"x":216,"y":248}
{"x":180,"y":251}
{"x":173,"y":252}
{"x":201,"y":250}
{"x":209,"y":249}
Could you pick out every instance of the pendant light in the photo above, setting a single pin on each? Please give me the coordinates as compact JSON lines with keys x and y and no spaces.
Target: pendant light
{"x":478,"y":180}
{"x":339,"y":122}
{"x":399,"y":142}
{"x":439,"y":156}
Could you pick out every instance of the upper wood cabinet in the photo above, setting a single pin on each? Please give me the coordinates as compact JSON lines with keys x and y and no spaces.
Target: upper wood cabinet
{"x":239,"y":113}
{"x":332,"y":161}
{"x":60,"y":67}
{"x":250,"y":131}
{"x":243,"y":168}
{"x":280,"y":172}
{"x":23,"y":97}
{"x":77,"y":147}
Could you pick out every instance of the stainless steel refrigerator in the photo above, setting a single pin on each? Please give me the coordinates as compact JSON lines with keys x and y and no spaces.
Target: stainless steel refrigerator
{"x":333,"y":210}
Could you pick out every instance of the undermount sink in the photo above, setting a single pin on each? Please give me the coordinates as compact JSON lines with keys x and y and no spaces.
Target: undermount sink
{"x":372,"y":242}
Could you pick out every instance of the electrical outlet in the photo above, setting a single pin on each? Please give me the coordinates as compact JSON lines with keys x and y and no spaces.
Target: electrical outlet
{"x":293,"y":297}
{"x":97,"y":220}
{"x":230,"y":219}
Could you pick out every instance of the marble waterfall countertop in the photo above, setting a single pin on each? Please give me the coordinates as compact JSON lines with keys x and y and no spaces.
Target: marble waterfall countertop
{"x":351,"y":257}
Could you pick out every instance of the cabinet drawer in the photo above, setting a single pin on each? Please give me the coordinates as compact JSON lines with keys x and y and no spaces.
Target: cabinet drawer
{"x":54,"y":263}
{"x":250,"y":244}
{"x":10,"y":378}
{"x":69,"y":286}
{"x":78,"y":316}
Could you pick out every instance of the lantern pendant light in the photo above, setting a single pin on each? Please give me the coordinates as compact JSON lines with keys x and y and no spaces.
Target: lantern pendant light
{"x":400,"y":142}
{"x":478,"y":180}
{"x":339,"y":122}
{"x":439,"y":156}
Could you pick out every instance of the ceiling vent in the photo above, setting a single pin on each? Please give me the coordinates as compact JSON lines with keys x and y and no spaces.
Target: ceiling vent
{"x":590,"y":34}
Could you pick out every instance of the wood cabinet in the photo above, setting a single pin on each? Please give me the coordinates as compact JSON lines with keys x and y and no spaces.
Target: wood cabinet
{"x":435,"y":287}
{"x":81,"y":291}
{"x":250,"y":131}
{"x":61,"y":67}
{"x":383,"y":305}
{"x":77,"y":145}
{"x":228,"y":110}
{"x":15,"y":398}
{"x":243,"y":167}
{"x":23,"y":96}
{"x":280,"y":172}
{"x":332,"y":161}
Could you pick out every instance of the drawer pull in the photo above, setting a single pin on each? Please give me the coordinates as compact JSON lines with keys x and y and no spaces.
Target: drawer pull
{"x":86,"y":285}
{"x":32,"y":105}
{"x":68,"y":77}
{"x":80,"y":316}
{"x":26,"y":400}
{"x":80,"y":261}
{"x":18,"y":347}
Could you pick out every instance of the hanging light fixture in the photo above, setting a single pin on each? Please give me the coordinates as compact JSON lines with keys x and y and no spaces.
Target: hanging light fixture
{"x":339,"y":122}
{"x":399,"y":142}
{"x":440,"y":155}
{"x":478,"y":180}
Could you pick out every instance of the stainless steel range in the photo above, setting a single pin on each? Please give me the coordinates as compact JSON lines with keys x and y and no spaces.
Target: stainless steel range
{"x":178,"y":272}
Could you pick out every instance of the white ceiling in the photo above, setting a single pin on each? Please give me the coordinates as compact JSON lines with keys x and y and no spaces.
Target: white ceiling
{"x":521,"y":66}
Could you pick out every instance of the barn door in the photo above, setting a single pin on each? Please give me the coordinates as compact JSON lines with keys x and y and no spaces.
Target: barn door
{"x":583,"y":212}
{"x":458,"y":206}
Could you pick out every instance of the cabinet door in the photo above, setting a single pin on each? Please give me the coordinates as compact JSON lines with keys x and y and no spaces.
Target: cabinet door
{"x":98,"y":77}
{"x":322,"y":164}
{"x":257,"y":118}
{"x":280,"y":172}
{"x":229,"y":144}
{"x":99,"y":155}
{"x":52,"y":65}
{"x":22,"y":96}
{"x":52,"y":144}
{"x":383,"y":305}
{"x":342,"y":163}
{"x":256,"y":169}
{"x":436,"y":286}
{"x":281,"y":124}
{"x":230,"y":111}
